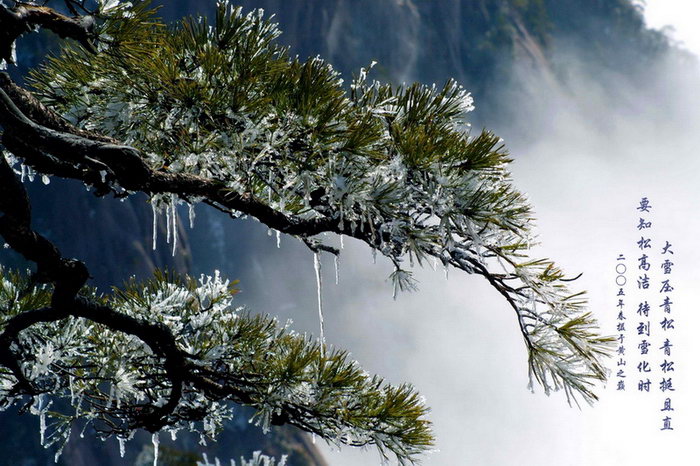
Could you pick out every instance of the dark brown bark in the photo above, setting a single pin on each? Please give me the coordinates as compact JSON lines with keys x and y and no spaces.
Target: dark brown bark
{"x":24,"y":18}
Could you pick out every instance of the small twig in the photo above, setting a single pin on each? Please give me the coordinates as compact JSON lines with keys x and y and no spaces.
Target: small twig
{"x":317,"y":246}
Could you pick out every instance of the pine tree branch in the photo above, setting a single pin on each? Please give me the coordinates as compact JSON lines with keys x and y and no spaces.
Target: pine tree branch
{"x":136,"y":175}
{"x":68,"y":277}
{"x":184,"y":371}
{"x":223,"y":116}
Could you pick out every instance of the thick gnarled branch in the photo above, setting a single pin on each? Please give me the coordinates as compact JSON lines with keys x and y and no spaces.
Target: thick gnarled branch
{"x":127,"y":167}
{"x":24,"y":18}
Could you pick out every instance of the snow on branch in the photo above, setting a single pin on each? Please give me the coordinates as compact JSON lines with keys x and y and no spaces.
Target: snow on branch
{"x":219,"y":113}
{"x":174,"y":352}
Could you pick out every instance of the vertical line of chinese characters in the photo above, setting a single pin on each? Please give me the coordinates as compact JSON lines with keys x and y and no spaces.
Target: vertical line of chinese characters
{"x":644,"y":263}
{"x":646,"y":307}
{"x":621,"y":281}
{"x":667,"y":327}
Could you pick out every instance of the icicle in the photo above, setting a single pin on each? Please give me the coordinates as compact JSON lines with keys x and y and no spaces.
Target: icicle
{"x":121,"y":446}
{"x":269,"y":186}
{"x":155,"y":224}
{"x":342,"y":242}
{"x":42,"y":426}
{"x":72,"y":391}
{"x":313,"y":438}
{"x":191,"y":215}
{"x":82,"y":432}
{"x":447,"y":272}
{"x":167,"y":223}
{"x":396,"y":281}
{"x":279,"y":238}
{"x":156,"y":442}
{"x":317,"y":268}
{"x":111,"y":396}
{"x":530,"y":385}
{"x":174,"y":218}
{"x":335,"y":262}
{"x":79,"y":404}
{"x":59,"y":452}
{"x":374,"y":255}
{"x":24,"y":172}
{"x":476,"y":240}
{"x":266,"y":422}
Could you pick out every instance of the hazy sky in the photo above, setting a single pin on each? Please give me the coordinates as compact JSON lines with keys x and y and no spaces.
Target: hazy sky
{"x":682,"y":15}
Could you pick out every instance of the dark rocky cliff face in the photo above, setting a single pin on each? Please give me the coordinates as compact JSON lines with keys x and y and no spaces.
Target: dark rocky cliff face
{"x":478,"y":42}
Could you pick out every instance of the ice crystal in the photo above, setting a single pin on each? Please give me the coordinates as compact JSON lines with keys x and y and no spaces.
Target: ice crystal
{"x":319,"y":296}
{"x":335,"y":263}
{"x":155,"y":224}
{"x":394,"y":167}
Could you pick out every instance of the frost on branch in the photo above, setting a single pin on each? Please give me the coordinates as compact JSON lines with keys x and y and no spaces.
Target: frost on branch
{"x":76,"y":372}
{"x":395,"y":167}
{"x":220,"y":114}
{"x":258,"y":459}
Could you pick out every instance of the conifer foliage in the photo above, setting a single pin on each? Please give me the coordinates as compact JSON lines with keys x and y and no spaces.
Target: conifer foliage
{"x":219,"y":113}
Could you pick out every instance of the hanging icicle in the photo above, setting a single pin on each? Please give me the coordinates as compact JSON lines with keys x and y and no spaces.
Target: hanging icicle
{"x":269,"y":186}
{"x":167,"y":223}
{"x":191,"y":208}
{"x":156,"y":442}
{"x":317,"y":268}
{"x":42,"y":427}
{"x":173,"y":206}
{"x":155,"y":223}
{"x":335,"y":262}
